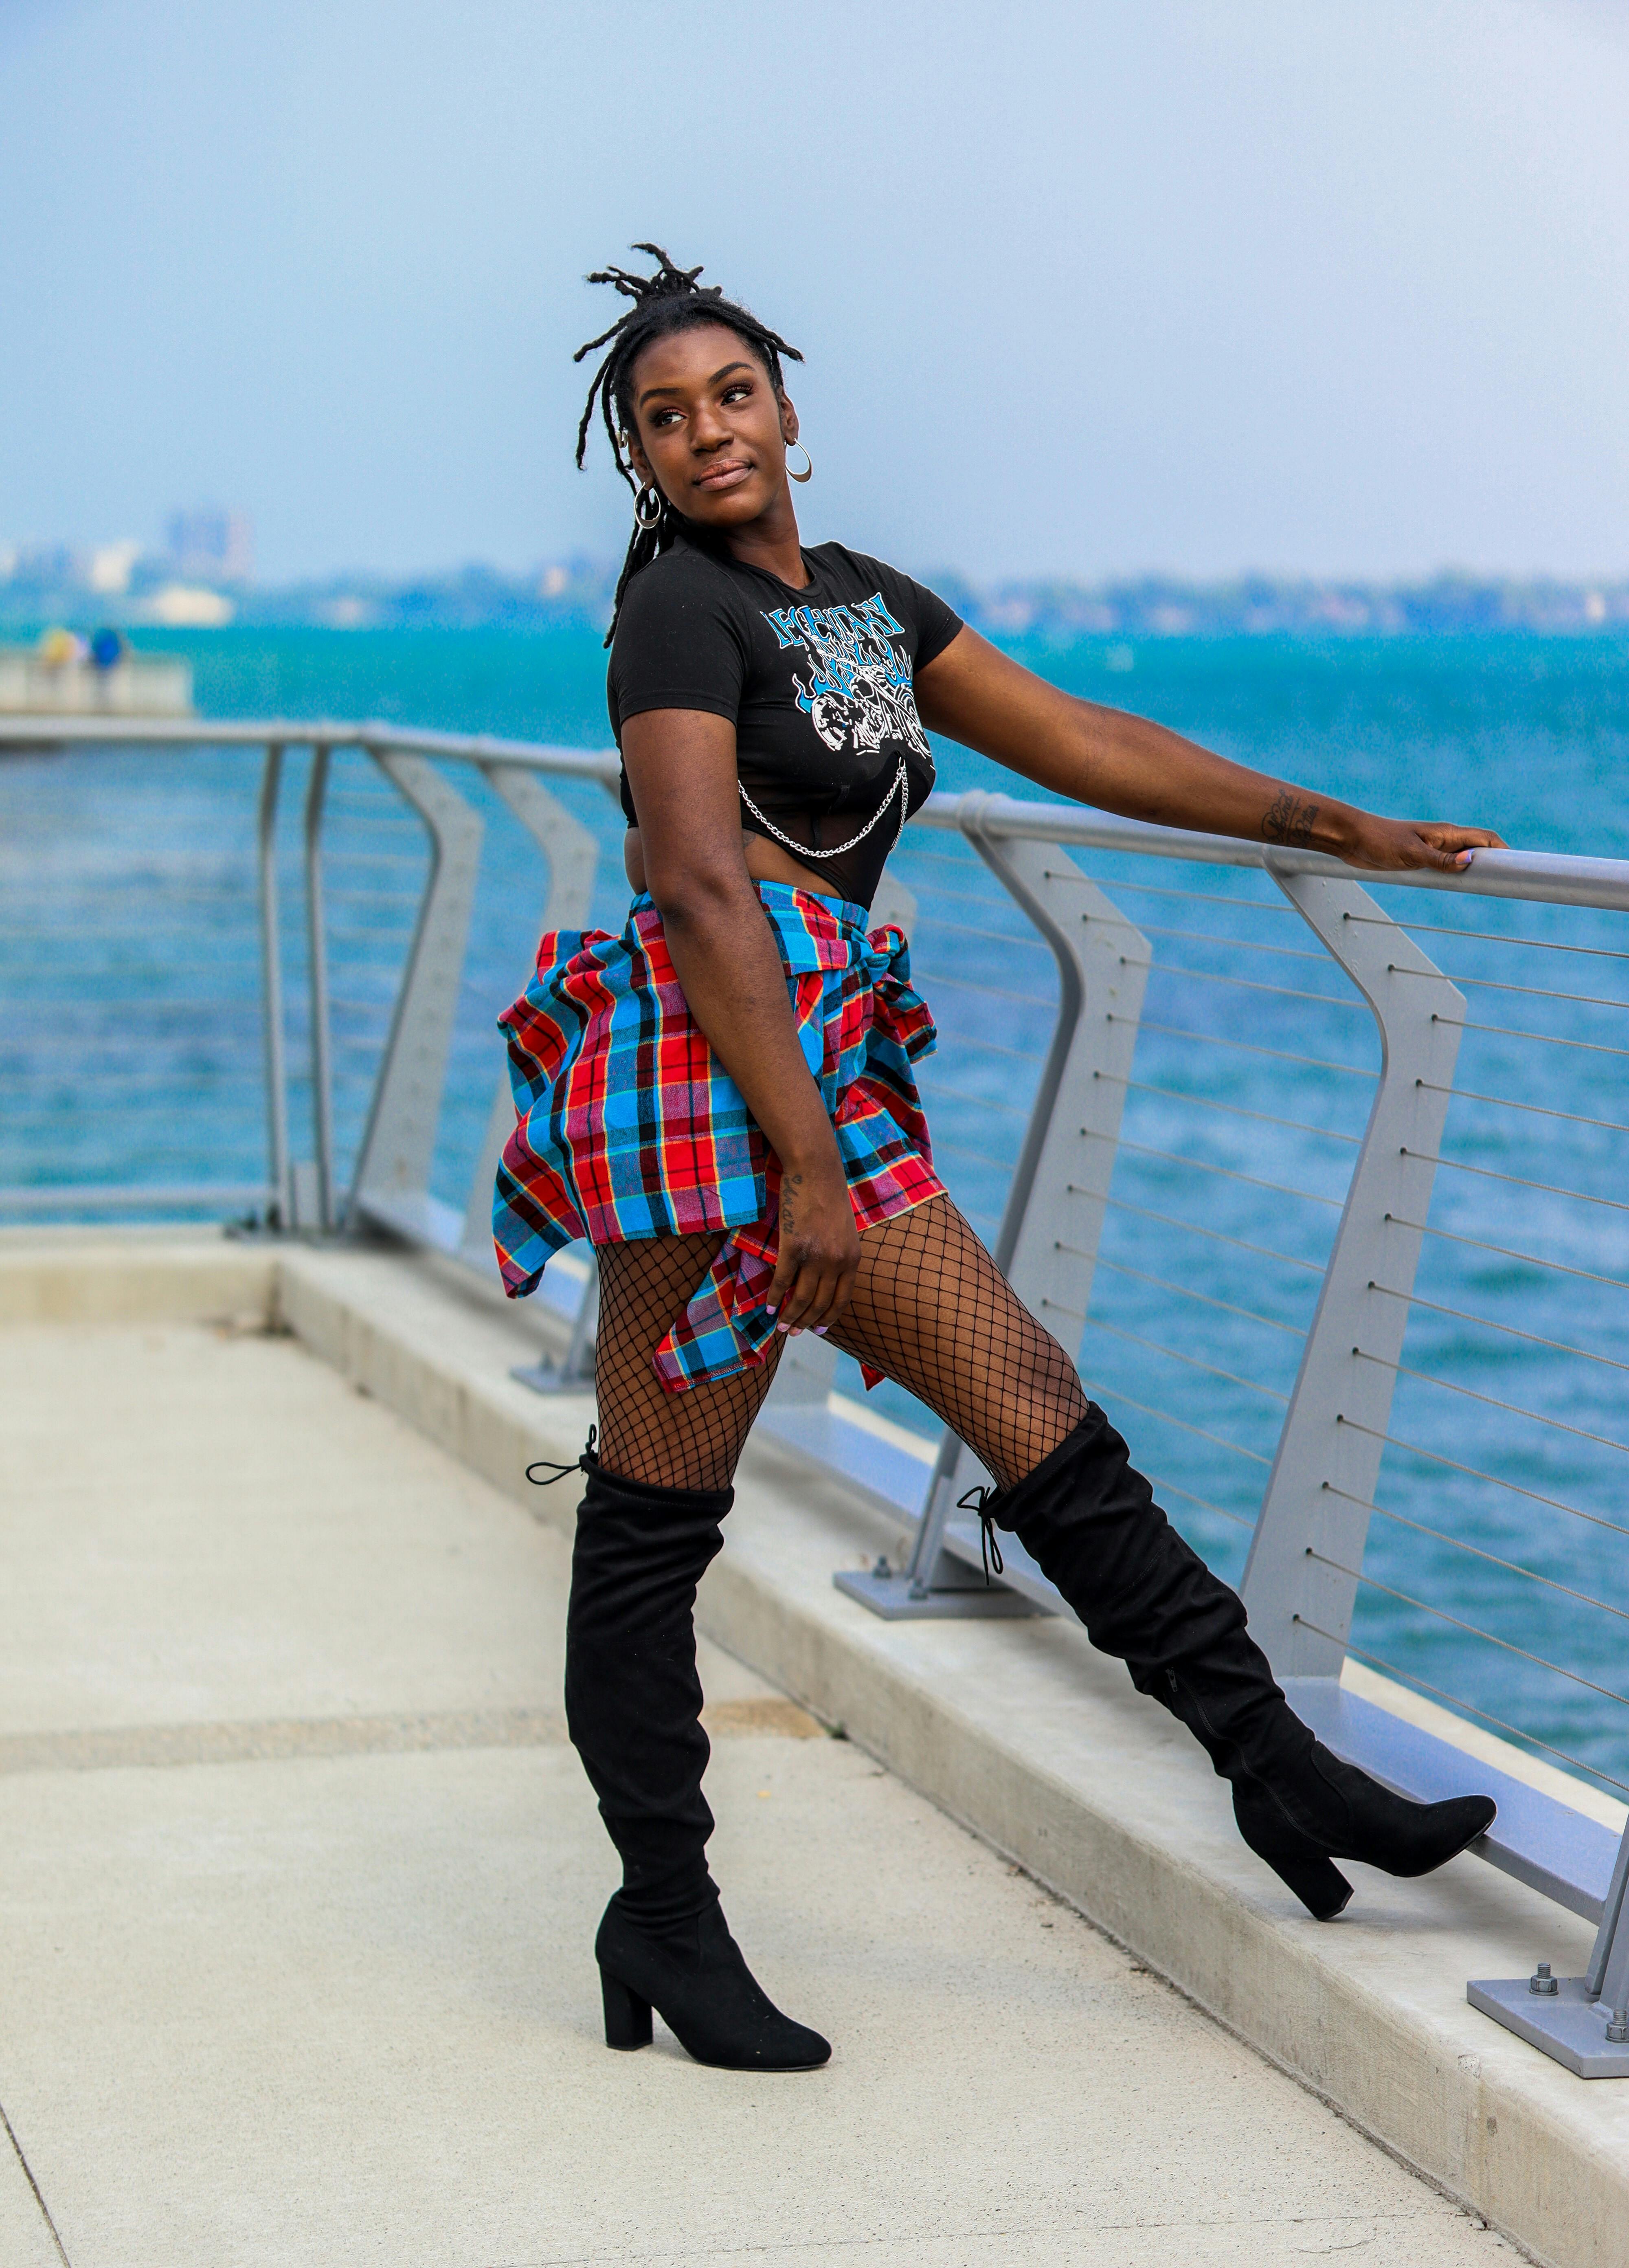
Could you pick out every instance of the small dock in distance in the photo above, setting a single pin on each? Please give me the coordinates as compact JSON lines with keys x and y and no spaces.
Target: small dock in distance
{"x":67,"y":680}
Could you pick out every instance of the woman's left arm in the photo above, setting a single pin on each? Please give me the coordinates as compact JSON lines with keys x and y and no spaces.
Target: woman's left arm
{"x":975,"y":694}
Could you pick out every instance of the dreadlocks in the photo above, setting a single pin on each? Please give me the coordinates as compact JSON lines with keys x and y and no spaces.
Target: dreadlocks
{"x":670,"y":300}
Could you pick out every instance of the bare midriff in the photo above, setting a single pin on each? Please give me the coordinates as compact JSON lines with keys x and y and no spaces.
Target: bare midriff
{"x":766,"y":862}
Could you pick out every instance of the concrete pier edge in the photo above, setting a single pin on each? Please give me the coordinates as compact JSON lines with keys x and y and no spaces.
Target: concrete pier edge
{"x":1018,"y":1730}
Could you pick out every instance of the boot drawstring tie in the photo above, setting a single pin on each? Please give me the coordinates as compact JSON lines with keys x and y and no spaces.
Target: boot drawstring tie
{"x":546,"y":1472}
{"x":982,"y":1500}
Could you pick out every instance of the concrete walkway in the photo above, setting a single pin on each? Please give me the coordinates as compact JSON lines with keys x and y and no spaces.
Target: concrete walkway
{"x":299,"y":1882}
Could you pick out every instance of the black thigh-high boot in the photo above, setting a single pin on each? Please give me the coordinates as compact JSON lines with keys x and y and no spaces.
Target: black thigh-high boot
{"x":634,"y":1708}
{"x":1089,"y":1521}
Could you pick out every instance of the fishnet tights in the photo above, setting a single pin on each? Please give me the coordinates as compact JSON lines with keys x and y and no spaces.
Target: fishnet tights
{"x":929,"y":1308}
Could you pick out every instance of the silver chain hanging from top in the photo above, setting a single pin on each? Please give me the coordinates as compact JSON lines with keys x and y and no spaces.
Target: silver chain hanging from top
{"x":902,"y":788}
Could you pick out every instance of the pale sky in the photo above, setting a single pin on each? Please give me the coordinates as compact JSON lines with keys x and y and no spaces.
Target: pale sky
{"x":1087,"y":287}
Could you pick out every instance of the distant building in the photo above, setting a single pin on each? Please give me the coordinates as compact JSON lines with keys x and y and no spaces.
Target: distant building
{"x":213,"y":546}
{"x":110,"y":566}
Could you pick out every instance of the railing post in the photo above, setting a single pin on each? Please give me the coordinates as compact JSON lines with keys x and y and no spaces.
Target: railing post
{"x":571,"y":855}
{"x":391,"y":1186}
{"x":271,"y":993}
{"x":1582,"y":2021}
{"x":1301,"y":1579}
{"x":317,"y":970}
{"x":1052,"y":1219}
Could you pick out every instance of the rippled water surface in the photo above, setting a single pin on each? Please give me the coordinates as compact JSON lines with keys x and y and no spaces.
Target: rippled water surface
{"x":1498,"y":1566}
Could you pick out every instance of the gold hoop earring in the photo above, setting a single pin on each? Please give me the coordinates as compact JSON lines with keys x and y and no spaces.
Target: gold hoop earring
{"x":808,"y":472}
{"x":658,"y":502}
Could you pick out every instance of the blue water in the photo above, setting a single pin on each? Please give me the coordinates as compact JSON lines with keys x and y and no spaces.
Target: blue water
{"x":130,"y":992}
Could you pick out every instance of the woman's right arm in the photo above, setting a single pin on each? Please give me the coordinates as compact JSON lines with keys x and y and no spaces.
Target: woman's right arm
{"x":681,"y":769}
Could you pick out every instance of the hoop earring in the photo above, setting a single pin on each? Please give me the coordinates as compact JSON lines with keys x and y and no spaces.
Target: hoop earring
{"x":808,"y":472}
{"x":649,"y":519}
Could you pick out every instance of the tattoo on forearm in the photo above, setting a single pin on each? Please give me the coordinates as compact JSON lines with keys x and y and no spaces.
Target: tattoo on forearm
{"x":1284,"y":821}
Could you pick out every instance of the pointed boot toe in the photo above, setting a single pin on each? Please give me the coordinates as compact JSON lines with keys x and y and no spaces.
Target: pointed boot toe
{"x":695,"y":1978}
{"x":1355,"y":1817}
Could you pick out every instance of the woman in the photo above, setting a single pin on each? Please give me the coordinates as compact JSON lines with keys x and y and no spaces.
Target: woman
{"x":722,"y":1100}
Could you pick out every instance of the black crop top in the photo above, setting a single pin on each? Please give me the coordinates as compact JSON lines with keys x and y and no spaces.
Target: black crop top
{"x":817,"y":682}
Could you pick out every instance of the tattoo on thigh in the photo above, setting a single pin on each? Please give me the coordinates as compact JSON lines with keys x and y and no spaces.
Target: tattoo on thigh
{"x":1284,"y":821}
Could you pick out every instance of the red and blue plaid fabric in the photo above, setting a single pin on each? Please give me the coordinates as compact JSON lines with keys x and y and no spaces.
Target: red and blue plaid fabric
{"x":629,"y":1126}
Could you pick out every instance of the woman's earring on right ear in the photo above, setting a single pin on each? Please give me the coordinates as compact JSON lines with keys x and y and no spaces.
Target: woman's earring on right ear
{"x":808,"y":472}
{"x":656,"y":500}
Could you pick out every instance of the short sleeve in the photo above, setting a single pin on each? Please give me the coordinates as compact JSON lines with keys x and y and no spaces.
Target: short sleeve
{"x":933,"y":623}
{"x":936,"y":624}
{"x":678,"y":644}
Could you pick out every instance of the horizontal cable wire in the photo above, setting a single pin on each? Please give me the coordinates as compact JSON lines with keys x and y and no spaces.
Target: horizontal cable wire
{"x":995,"y":1047}
{"x":1493,"y":937}
{"x":968,"y":862}
{"x":937,"y":1086}
{"x":1185,"y":1290}
{"x":1227,"y":1172}
{"x":1547,"y":1039}
{"x":995,"y":936}
{"x":1233,"y":1110}
{"x":1169,"y":1488}
{"x":1493,"y":1402}
{"x":1475,"y":1473}
{"x":1251,"y":984}
{"x":341,"y":855}
{"x":1536,"y":1109}
{"x":1528,"y":991}
{"x":1506,"y":1252}
{"x":1217,"y":1440}
{"x":988,"y":902}
{"x":1215,"y":936}
{"x":1533,"y":1338}
{"x":978,"y":1157}
{"x":1475,"y":1551}
{"x":987,"y":991}
{"x":1248,"y":1047}
{"x":1455,"y":1701}
{"x":1514,"y":1180}
{"x":1165,"y":890}
{"x":1157,"y":1346}
{"x":1472,"y":1629}
{"x":1240,"y":1243}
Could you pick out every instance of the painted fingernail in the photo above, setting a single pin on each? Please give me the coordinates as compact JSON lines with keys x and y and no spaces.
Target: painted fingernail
{"x":820,"y":1330}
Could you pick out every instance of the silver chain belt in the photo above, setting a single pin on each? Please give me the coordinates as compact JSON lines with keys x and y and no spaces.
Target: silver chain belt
{"x":902,"y":788}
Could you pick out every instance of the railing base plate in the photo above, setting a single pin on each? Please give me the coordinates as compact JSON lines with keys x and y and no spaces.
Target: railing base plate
{"x":1567,"y":2025}
{"x":889,"y":1591}
{"x":551,"y":1377}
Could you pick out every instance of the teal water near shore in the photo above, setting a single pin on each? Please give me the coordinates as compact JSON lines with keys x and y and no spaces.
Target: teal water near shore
{"x":129,"y":988}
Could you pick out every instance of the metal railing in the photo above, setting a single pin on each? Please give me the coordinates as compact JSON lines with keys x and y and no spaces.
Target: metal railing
{"x":1317,"y":1175}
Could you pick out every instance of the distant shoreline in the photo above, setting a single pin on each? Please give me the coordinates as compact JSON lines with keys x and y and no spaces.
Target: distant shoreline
{"x":577,"y":593}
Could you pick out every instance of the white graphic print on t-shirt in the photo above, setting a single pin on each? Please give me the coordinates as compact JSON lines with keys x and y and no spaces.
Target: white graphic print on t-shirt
{"x":859,"y":690}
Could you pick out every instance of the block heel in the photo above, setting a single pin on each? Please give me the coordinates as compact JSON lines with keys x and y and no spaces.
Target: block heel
{"x":694,"y":1974}
{"x":627,"y":2017}
{"x":1295,"y":1858}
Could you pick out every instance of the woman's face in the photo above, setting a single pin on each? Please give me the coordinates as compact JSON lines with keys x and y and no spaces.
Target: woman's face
{"x":710,"y":429}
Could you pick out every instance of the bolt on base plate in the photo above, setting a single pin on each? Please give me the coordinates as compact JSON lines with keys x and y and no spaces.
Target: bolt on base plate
{"x":891,"y":1593}
{"x":1566,"y":2024}
{"x":552,"y":1378}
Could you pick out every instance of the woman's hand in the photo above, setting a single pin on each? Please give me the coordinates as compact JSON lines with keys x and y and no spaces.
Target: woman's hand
{"x":1394,"y":842}
{"x":819,"y":1254}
